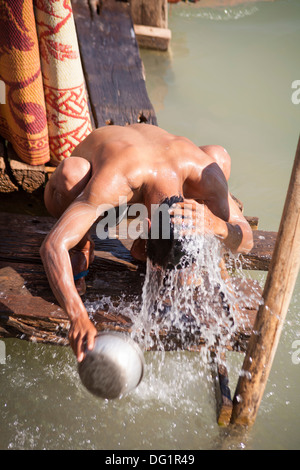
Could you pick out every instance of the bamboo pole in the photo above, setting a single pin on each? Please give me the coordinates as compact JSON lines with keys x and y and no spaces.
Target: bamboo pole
{"x":277,"y":293}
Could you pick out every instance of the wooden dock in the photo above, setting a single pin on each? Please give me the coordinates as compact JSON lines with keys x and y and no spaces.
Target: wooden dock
{"x":29,"y":310}
{"x":111,"y":62}
{"x":117,"y":95}
{"x":108,"y":41}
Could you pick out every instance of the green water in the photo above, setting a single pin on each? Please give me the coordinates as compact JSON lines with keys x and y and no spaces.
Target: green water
{"x":226,"y":80}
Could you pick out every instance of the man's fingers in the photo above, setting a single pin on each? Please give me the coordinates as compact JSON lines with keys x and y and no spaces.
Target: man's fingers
{"x":187,"y":203}
{"x":191,"y":218}
{"x":85,"y":342}
{"x":90,"y":342}
{"x":187,"y":211}
{"x":80,"y":356}
{"x":82,"y":337}
{"x":77,"y":344}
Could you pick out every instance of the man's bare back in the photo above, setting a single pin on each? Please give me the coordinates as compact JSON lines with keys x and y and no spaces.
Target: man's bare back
{"x":141,"y":164}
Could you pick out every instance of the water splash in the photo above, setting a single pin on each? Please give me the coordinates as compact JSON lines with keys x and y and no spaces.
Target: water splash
{"x":185,"y":308}
{"x":181,"y":309}
{"x":190,"y":305}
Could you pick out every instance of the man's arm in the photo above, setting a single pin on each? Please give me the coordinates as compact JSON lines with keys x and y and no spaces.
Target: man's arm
{"x":104,"y":190}
{"x":221,"y":215}
{"x":67,"y":233}
{"x":226,"y":219}
{"x":235,"y":232}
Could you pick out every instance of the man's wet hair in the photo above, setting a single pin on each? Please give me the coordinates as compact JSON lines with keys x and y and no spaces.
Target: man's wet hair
{"x":163,"y":247}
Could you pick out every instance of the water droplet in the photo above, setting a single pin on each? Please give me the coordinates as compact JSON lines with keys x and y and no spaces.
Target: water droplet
{"x":239,"y":398}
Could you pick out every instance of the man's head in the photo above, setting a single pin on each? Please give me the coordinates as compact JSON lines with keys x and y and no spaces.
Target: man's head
{"x":164,"y":247}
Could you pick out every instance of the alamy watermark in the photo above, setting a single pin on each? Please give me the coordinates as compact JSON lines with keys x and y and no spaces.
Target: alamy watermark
{"x":2,"y":353}
{"x":2,"y":92}
{"x":138,"y":225}
{"x":296,"y":353}
{"x":296,"y":94}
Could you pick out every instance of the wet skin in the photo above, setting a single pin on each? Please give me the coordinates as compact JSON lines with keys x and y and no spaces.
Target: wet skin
{"x":142,"y":164}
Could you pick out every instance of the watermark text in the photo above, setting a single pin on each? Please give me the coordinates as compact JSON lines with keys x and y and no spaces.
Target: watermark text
{"x":296,"y":353}
{"x":159,"y":224}
{"x":296,"y":94}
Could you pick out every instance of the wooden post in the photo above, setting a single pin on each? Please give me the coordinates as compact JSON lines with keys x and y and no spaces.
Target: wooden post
{"x":150,"y":12}
{"x":277,"y":293}
{"x":222,"y":390}
{"x":150,"y":19}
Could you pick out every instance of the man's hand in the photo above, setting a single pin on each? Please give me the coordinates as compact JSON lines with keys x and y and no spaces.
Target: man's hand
{"x":191,"y":218}
{"x":82,"y":336}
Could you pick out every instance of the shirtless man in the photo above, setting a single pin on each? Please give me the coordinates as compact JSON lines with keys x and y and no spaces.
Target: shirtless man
{"x":142,"y":164}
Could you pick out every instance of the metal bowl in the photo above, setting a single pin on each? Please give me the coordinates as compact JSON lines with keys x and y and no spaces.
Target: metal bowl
{"x":113,"y":367}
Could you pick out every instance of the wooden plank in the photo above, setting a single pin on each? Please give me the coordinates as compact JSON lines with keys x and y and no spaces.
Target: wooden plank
{"x":29,"y":311}
{"x":259,"y":258}
{"x":28,"y":308}
{"x":151,"y":24}
{"x":252,"y":221}
{"x":29,"y":178}
{"x":111,"y":62}
{"x":27,"y":248}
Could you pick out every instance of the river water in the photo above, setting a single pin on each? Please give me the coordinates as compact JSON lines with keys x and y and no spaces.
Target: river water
{"x":226,"y":80}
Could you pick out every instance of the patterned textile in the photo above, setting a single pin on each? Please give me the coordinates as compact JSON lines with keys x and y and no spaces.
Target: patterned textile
{"x":65,"y":95}
{"x":23,"y":117}
{"x":46,"y":113}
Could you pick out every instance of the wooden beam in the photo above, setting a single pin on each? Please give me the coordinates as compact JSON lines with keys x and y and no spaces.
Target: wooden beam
{"x":259,"y":258}
{"x":29,"y":311}
{"x":112,"y":65}
{"x":150,"y":20}
{"x":277,"y":293}
{"x":252,"y":221}
{"x":16,"y":175}
{"x":29,"y":178}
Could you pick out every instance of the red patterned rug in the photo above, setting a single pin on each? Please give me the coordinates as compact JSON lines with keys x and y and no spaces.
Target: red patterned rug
{"x":45,"y":114}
